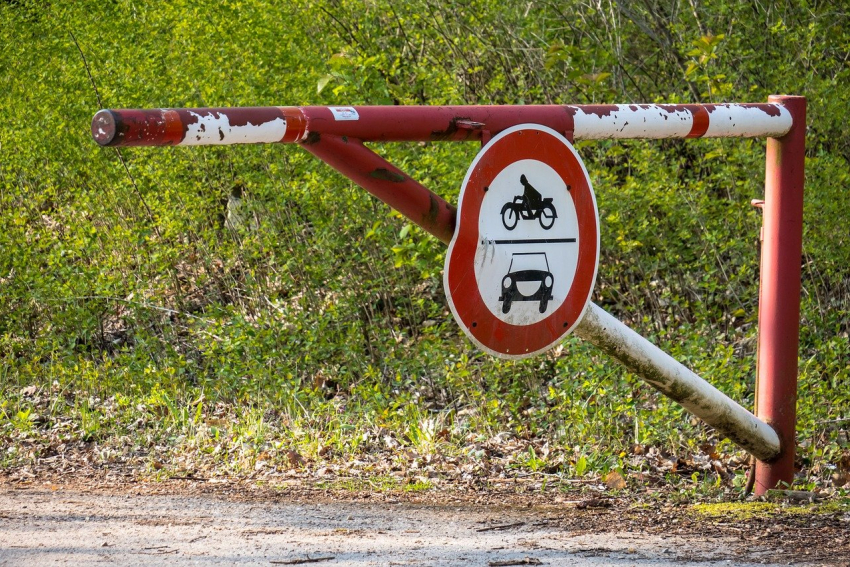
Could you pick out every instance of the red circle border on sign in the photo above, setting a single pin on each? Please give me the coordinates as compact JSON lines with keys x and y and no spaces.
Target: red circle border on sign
{"x":534,"y":142}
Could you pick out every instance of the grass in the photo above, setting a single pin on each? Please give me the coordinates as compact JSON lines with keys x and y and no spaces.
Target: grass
{"x":371,"y":434}
{"x":376,"y":484}
{"x":737,"y":511}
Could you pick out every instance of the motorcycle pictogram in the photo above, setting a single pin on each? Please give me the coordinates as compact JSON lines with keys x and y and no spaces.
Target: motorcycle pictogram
{"x":529,"y":206}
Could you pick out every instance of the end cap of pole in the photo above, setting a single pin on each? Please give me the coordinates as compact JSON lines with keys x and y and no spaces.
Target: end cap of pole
{"x":103,"y":128}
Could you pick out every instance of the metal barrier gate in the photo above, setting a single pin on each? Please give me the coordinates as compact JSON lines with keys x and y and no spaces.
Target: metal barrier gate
{"x":336,"y":135}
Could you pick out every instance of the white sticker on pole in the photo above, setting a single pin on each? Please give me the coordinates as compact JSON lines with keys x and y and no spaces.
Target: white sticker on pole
{"x":522,"y":263}
{"x":344,"y":113}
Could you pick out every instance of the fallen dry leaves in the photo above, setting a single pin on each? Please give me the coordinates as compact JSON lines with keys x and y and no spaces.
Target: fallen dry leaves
{"x":56,"y":445}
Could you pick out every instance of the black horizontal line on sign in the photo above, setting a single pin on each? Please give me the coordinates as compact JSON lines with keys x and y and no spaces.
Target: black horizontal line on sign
{"x":534,"y":241}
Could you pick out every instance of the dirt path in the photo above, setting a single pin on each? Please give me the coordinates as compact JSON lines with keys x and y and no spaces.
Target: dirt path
{"x":45,"y":525}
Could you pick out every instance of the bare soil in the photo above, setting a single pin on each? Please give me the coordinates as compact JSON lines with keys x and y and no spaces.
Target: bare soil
{"x":100,"y":519}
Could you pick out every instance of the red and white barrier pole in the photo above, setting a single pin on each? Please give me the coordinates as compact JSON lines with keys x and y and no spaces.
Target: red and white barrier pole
{"x":307,"y":124}
{"x":336,"y":135}
{"x":779,"y":299}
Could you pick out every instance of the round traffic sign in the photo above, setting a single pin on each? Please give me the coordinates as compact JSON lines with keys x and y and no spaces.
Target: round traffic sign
{"x":522,"y":262}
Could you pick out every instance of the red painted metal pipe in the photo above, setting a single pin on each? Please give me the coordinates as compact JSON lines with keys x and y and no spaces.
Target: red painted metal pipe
{"x":431,"y":123}
{"x":197,"y":126}
{"x":779,"y":300}
{"x":590,"y":121}
{"x":218,"y":126}
{"x":388,"y":183}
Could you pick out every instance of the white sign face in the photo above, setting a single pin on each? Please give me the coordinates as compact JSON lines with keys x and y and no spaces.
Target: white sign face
{"x":528,"y":251}
{"x":522,"y":262}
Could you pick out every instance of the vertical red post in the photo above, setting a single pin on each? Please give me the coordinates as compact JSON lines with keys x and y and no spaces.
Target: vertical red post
{"x":779,"y":299}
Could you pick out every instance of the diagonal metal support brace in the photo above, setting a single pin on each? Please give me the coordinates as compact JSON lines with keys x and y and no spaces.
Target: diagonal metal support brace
{"x":674,"y":380}
{"x":388,"y":183}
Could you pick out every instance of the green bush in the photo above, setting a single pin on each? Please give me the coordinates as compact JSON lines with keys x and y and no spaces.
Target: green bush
{"x":120,"y":279}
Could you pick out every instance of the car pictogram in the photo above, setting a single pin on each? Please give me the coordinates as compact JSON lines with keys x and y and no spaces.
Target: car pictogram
{"x":526,"y":280}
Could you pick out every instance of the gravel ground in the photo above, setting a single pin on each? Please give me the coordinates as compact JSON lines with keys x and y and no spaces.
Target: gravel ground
{"x":45,"y":525}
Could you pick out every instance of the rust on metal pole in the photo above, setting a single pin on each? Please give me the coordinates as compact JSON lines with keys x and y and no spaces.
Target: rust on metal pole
{"x":388,"y":183}
{"x":221,"y":126}
{"x":197,"y":126}
{"x":779,"y":299}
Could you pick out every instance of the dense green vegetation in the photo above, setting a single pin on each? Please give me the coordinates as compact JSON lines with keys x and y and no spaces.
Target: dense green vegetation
{"x":319,"y":326}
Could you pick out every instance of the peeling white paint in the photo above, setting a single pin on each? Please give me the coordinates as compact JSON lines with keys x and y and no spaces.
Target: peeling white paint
{"x":734,"y":120}
{"x":214,"y":129}
{"x":674,"y":380}
{"x":632,"y":121}
{"x":652,"y":121}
